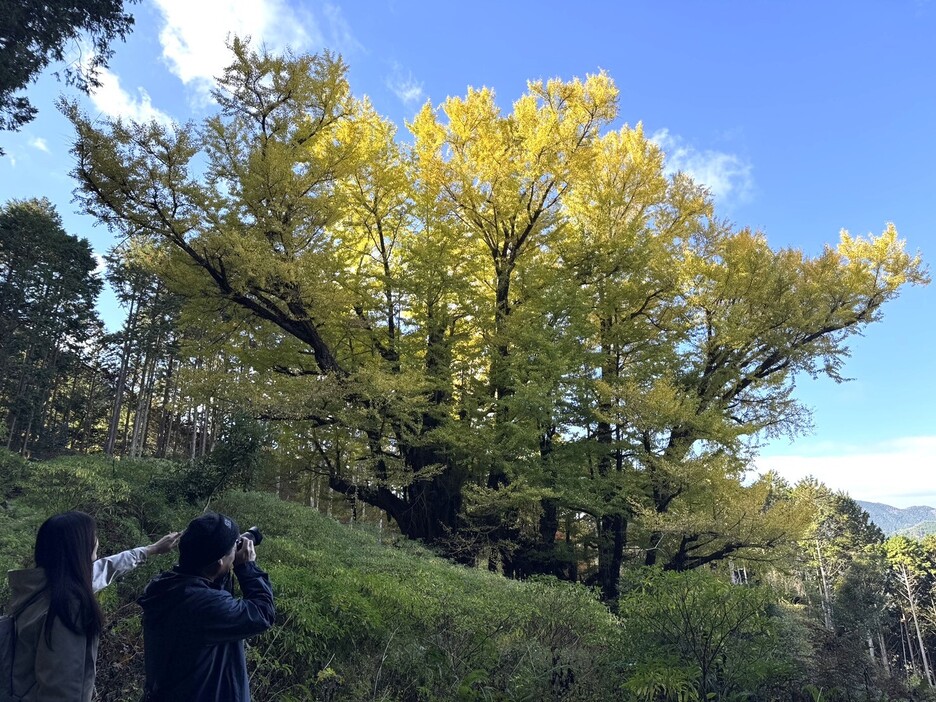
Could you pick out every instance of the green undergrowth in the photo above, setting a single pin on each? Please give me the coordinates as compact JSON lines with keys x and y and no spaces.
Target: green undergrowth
{"x":366,"y":615}
{"x":360,"y":618}
{"x":361,"y":615}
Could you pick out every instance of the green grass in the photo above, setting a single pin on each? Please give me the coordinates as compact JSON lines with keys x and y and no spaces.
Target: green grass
{"x":360,"y":615}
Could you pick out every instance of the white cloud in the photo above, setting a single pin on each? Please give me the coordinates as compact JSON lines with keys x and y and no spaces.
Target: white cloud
{"x":405,"y":87}
{"x":101,"y":264}
{"x":340,"y":35}
{"x":727,"y":176}
{"x":898,"y":472}
{"x":39,"y":143}
{"x":194,"y":36}
{"x":11,"y":159}
{"x":111,"y":99}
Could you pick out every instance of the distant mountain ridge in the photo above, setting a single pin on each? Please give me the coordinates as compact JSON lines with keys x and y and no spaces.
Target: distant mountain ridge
{"x":909,"y":521}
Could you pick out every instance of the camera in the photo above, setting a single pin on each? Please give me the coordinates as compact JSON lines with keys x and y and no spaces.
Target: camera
{"x":253,"y":533}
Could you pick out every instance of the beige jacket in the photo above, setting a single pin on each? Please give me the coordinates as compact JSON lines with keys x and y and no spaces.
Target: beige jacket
{"x":65,"y":671}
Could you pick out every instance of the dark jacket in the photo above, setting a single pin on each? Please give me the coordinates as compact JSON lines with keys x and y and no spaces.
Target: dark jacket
{"x":194,"y":631}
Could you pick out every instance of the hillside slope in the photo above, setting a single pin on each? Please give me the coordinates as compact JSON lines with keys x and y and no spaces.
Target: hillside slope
{"x":911,"y":521}
{"x":366,"y":613}
{"x":361,"y":615}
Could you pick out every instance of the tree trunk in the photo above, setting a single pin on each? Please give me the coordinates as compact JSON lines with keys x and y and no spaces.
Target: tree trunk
{"x":907,"y":646}
{"x":165,"y":413}
{"x":884,"y":658}
{"x":193,"y":415}
{"x":87,"y":422}
{"x":611,"y":530}
{"x":824,"y":589}
{"x":916,"y":625}
{"x":50,"y":396}
{"x":133,"y":386}
{"x":206,"y":409}
{"x":66,"y":416}
{"x":130,"y":330}
{"x":9,"y":442}
{"x":144,"y":399}
{"x":24,"y":447}
{"x":612,"y":527}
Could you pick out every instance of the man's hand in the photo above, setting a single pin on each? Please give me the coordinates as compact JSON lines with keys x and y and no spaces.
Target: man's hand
{"x":245,"y":552}
{"x":165,"y":544}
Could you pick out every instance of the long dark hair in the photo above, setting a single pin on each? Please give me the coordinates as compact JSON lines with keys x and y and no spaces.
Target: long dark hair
{"x":64,"y":546}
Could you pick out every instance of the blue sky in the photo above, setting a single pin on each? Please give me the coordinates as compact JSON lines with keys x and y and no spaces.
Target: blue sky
{"x":803,"y":118}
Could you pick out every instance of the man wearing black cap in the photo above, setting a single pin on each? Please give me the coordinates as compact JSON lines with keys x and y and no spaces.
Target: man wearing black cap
{"x":193,"y":628}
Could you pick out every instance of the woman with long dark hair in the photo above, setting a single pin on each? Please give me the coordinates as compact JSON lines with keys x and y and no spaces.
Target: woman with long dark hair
{"x":58,"y":619}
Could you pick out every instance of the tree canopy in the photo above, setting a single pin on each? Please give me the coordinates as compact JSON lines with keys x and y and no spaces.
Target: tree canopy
{"x":34,"y":34}
{"x":48,"y":289}
{"x":517,"y":335}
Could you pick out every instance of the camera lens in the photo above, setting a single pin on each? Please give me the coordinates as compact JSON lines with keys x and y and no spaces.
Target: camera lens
{"x":253,"y":533}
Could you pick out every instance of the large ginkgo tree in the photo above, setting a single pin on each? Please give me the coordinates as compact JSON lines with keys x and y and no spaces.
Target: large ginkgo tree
{"x":516,"y":334}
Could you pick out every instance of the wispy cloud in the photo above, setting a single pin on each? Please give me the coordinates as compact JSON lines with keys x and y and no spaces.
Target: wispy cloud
{"x":405,"y":86}
{"x":340,"y":36}
{"x":111,"y":99}
{"x":194,"y":35}
{"x":898,"y":472}
{"x":101,"y":264}
{"x":727,"y":176}
{"x":39,"y":143}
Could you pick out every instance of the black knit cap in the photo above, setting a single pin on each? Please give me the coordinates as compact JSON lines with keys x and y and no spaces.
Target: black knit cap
{"x":206,"y":539}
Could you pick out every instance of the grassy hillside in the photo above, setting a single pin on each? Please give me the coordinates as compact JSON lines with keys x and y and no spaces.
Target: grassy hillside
{"x":389,"y":620}
{"x":359,"y":616}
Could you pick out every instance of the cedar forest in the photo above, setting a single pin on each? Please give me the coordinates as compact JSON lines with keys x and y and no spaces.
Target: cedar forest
{"x":508,"y":346}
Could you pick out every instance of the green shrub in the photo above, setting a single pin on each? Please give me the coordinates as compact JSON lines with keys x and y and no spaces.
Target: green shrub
{"x":13,"y":471}
{"x":695,"y":635}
